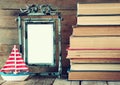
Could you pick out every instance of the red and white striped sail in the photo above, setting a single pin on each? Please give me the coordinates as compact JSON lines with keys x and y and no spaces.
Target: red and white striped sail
{"x":15,"y":63}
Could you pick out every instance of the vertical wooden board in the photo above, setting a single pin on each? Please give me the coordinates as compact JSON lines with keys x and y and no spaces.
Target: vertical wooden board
{"x":114,"y":83}
{"x":93,"y":83}
{"x":61,"y":82}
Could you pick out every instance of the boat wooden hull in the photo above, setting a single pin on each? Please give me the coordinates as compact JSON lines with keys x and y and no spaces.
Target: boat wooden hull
{"x":14,"y":77}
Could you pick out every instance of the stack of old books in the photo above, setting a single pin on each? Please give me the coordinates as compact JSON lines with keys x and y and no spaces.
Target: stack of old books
{"x":94,"y":51}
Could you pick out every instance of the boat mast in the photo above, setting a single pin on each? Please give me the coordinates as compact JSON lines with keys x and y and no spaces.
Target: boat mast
{"x":15,"y":59}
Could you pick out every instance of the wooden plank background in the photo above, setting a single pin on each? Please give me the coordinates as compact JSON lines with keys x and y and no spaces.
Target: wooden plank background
{"x":9,"y":10}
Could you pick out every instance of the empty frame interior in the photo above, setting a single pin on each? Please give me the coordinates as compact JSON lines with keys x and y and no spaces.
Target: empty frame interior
{"x":40,"y":43}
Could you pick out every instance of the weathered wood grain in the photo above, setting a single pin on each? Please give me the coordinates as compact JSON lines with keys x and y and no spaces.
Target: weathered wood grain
{"x":114,"y":83}
{"x":98,"y":1}
{"x":8,"y":36}
{"x":12,"y":12}
{"x":61,"y":82}
{"x":8,"y":22}
{"x":1,"y":81}
{"x":16,"y":4}
{"x":9,"y":12}
{"x":93,"y":83}
{"x":3,"y":60}
{"x":14,"y":83}
{"x":61,"y":4}
{"x":75,"y":83}
{"x":37,"y":80}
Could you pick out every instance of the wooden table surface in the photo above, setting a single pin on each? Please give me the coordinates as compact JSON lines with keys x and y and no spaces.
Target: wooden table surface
{"x":38,"y":80}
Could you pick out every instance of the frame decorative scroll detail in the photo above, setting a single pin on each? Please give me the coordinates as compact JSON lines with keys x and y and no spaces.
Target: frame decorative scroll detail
{"x":39,"y":10}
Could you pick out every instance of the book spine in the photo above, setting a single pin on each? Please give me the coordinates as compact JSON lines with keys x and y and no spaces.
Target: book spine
{"x":96,"y":31}
{"x":98,"y":8}
{"x":94,"y":60}
{"x":75,"y":75}
{"x":98,"y":20}
{"x":94,"y":42}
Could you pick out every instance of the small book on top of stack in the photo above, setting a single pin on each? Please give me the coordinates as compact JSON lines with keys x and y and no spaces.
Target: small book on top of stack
{"x":94,"y":50}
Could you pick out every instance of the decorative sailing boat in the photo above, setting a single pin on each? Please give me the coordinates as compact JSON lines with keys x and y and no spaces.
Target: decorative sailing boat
{"x":15,"y":68}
